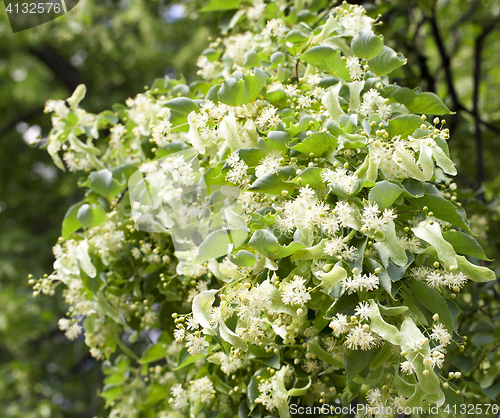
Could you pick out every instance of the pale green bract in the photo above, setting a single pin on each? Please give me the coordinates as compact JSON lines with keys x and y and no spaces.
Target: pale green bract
{"x":305,"y":291}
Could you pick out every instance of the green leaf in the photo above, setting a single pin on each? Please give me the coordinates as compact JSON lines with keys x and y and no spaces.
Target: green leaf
{"x":473,"y":272}
{"x":328,"y":60}
{"x":301,"y":387}
{"x":153,"y":353}
{"x":276,"y":140}
{"x":332,"y":278}
{"x":233,"y":92}
{"x":71,"y":223}
{"x":266,"y":243}
{"x":252,"y":59}
{"x":384,"y":193}
{"x":254,"y":83}
{"x":377,"y":324}
{"x":331,"y":102}
{"x":91,"y":214}
{"x":311,"y":176}
{"x":314,"y":348}
{"x":188,"y":360}
{"x":404,"y":125}
{"x":251,"y":156}
{"x":110,"y":393}
{"x":218,"y":5}
{"x":182,"y":105}
{"x":243,"y":259}
{"x":296,"y":36}
{"x":432,"y":235}
{"x":386,"y":62}
{"x":216,"y":244}
{"x":320,"y":144}
{"x":390,"y":247}
{"x":429,"y":383}
{"x":442,"y":209}
{"x":227,"y":335}
{"x":367,"y":45}
{"x":77,"y":96}
{"x":382,"y":357}
{"x":414,"y":187}
{"x":393,"y":310}
{"x":396,"y":272}
{"x":356,"y":362}
{"x":428,"y":103}
{"x":465,"y":244}
{"x":271,"y":183}
{"x":102,"y":182}
{"x":201,"y":307}
{"x":482,"y":338}
{"x":403,"y":95}
{"x":433,"y":301}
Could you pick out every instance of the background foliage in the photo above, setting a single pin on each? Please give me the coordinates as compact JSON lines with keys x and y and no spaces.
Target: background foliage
{"x":116,"y":48}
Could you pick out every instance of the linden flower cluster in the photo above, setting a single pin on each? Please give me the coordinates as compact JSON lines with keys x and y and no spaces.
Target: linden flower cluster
{"x":240,"y":243}
{"x":439,"y":278}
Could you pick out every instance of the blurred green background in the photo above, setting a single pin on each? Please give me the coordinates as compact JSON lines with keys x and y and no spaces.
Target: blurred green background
{"x":118,"y":47}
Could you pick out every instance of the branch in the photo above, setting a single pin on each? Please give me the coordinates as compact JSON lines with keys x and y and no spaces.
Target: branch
{"x":445,"y":58}
{"x":21,"y":118}
{"x":482,"y":121}
{"x":478,"y":49}
{"x":422,"y":59}
{"x":59,"y":66}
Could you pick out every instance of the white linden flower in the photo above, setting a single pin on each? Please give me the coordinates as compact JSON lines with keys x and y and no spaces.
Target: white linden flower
{"x":359,"y":338}
{"x":201,"y":389}
{"x":161,"y":132}
{"x":180,"y":397}
{"x":314,"y":79}
{"x":384,"y":110}
{"x":335,"y":246}
{"x":311,"y":366}
{"x":363,"y":310}
{"x":257,"y":10}
{"x":260,"y":296}
{"x":416,"y":344}
{"x":343,"y":212}
{"x":355,"y":70}
{"x":399,"y":402}
{"x":407,"y":367}
{"x":274,"y":27}
{"x":451,"y":280}
{"x":355,"y":20}
{"x":435,"y":279}
{"x":270,"y":164}
{"x":179,"y":334}
{"x":340,"y":177}
{"x":295,"y":292}
{"x":195,"y":345}
{"x":441,"y":334}
{"x":304,"y":101}
{"x":340,"y":324}
{"x":371,"y":219}
{"x":233,"y":159}
{"x":268,"y":117}
{"x":237,"y":173}
{"x":361,"y":282}
{"x":373,"y":396}
{"x":180,"y":169}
